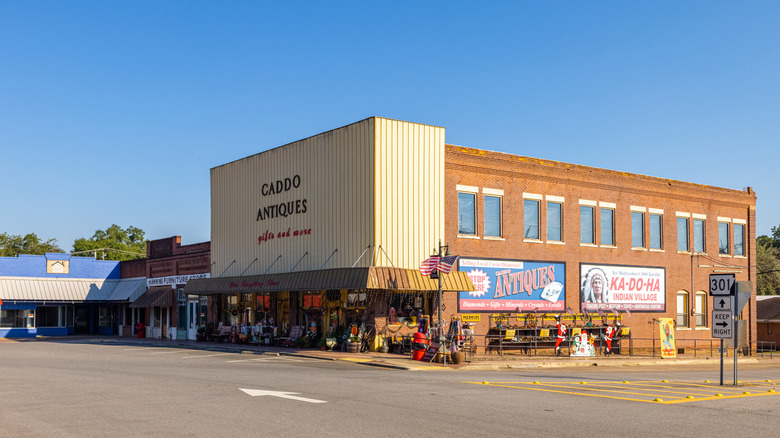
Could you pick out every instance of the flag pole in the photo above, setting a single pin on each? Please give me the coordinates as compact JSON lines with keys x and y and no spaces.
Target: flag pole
{"x":442,"y":338}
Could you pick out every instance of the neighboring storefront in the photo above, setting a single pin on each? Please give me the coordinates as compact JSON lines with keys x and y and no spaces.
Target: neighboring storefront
{"x":58,"y":294}
{"x":163,"y":309}
{"x":541,"y":238}
{"x":330,"y":231}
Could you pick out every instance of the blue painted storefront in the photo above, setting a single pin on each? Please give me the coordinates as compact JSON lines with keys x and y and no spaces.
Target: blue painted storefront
{"x":16,"y":323}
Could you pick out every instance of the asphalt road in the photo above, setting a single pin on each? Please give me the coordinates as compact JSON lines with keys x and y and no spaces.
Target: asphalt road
{"x":73,"y":389}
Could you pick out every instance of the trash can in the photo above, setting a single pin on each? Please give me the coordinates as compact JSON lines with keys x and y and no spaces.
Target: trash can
{"x":419,"y":345}
{"x":139,"y":330}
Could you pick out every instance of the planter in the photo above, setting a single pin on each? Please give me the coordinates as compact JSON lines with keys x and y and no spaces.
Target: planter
{"x":458,"y":357}
{"x":384,"y":349}
{"x":353,"y":347}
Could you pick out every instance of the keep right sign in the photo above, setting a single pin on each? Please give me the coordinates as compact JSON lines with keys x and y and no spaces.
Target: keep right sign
{"x":722,"y":324}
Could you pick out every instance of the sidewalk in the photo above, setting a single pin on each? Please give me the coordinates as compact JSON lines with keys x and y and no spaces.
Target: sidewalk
{"x":404,"y":362}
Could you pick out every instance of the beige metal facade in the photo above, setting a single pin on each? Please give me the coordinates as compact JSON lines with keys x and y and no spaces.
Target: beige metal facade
{"x":366,"y":194}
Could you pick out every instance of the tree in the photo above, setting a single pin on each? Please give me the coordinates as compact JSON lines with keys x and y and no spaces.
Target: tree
{"x":114,"y":243}
{"x":767,"y":270}
{"x":13,"y":245}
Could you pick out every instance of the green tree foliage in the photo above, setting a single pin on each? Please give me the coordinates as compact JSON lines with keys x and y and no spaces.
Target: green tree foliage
{"x":768,"y":263}
{"x":114,"y":243}
{"x":13,"y":245}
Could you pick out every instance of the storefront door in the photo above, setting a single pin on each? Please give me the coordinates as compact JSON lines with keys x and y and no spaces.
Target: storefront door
{"x":192,"y":319}
{"x":81,"y":321}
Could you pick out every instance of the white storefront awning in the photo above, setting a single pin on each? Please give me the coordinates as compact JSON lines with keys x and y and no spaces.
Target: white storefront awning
{"x":70,"y":289}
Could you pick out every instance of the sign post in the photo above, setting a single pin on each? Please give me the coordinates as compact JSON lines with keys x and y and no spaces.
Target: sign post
{"x":722,"y":291}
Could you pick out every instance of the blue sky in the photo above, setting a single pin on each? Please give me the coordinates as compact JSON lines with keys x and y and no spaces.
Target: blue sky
{"x":114,"y":112}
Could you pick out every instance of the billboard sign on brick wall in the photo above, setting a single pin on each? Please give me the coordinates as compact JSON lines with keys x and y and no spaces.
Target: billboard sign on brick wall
{"x":513,"y":286}
{"x":633,"y":288}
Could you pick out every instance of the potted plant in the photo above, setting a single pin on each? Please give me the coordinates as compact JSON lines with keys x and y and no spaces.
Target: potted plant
{"x":353,"y":344}
{"x":331,"y":340}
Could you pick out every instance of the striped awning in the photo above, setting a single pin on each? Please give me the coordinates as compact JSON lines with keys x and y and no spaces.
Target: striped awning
{"x":69,"y":289}
{"x":373,"y":277}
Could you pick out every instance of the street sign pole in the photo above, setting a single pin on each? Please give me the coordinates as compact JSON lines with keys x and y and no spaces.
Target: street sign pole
{"x":721,"y":361}
{"x":723,"y":285}
{"x":736,"y":335}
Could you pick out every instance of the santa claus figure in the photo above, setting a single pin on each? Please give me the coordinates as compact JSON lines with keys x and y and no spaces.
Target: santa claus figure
{"x":609,"y":333}
{"x":561,"y":335}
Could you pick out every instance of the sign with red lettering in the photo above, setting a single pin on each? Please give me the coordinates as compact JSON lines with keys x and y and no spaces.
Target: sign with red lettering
{"x":513,"y":286}
{"x":636,"y":288}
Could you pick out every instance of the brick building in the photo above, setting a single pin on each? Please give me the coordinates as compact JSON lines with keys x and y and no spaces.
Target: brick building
{"x":164,"y":309}
{"x":331,"y":231}
{"x":584,"y":217}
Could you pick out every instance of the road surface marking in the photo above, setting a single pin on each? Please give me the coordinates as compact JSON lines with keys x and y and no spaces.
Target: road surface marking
{"x":207,"y":355}
{"x":645,"y":391}
{"x":280,"y":394}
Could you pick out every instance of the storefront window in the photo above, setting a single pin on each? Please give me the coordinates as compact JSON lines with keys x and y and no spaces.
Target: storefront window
{"x":51,"y":316}
{"x":407,"y":304}
{"x":106,"y":316}
{"x":17,"y":318}
{"x":356,"y":298}
{"x":311,"y":300}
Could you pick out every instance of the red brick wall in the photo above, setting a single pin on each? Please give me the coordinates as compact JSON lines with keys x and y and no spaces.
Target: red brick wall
{"x":515,"y":175}
{"x":168,"y":257}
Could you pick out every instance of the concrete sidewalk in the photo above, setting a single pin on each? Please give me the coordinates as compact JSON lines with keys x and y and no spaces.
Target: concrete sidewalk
{"x":404,"y":362}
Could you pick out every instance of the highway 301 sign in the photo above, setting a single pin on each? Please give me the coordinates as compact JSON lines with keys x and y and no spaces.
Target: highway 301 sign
{"x":722,"y":284}
{"x":722,"y":324}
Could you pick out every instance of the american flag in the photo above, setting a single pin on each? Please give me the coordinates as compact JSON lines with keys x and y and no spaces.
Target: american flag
{"x":446,"y":263}
{"x":429,"y":265}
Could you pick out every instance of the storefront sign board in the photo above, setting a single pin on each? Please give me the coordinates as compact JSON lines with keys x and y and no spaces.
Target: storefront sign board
{"x":513,"y":286}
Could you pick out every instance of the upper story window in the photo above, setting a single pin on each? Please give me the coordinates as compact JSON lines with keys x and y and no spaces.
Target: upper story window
{"x":607,"y":222}
{"x":682,"y":309}
{"x":682,"y":233}
{"x":531,"y":216}
{"x":587,"y":222}
{"x":467,"y":213}
{"x":637,"y":227}
{"x":656,"y":228}
{"x":700,"y":309}
{"x":723,"y":236}
{"x":554,"y":219}
{"x":492,"y":213}
{"x":739,"y":238}
{"x":699,"y":234}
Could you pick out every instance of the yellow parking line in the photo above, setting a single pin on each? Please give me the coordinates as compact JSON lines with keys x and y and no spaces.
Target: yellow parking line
{"x":681,"y":394}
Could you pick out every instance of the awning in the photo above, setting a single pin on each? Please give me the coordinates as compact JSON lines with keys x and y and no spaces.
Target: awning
{"x":156,"y":296}
{"x":69,"y":289}
{"x":372,"y":277}
{"x":128,"y":289}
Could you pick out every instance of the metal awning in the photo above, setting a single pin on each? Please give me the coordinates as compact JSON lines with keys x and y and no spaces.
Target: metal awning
{"x":156,"y":296}
{"x":70,"y":289}
{"x":372,"y":277}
